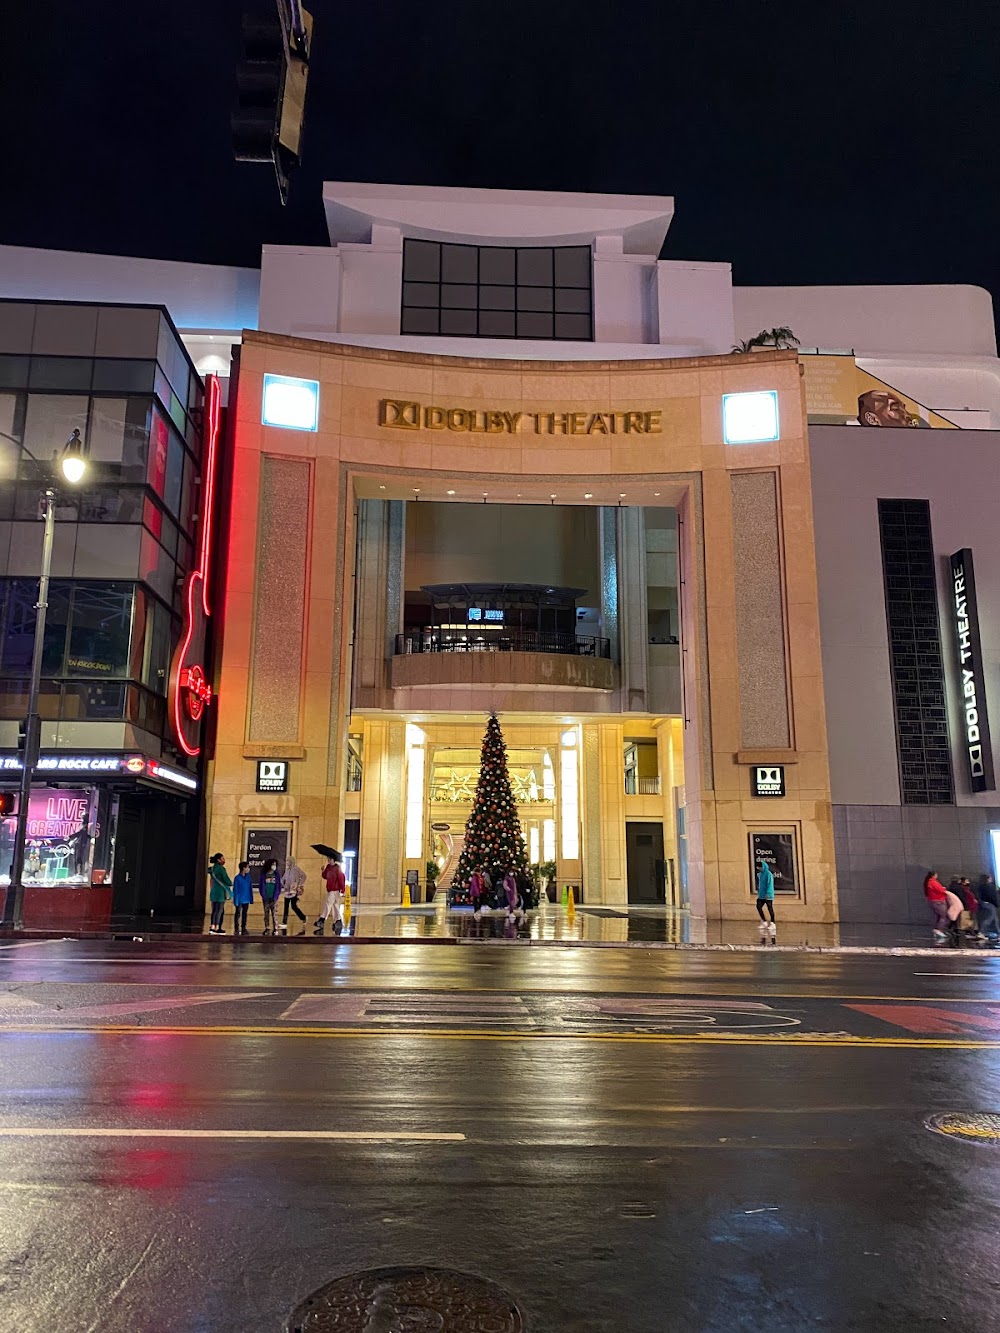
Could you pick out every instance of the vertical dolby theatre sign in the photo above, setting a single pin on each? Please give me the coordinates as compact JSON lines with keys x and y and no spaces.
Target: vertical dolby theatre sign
{"x":975,"y":721}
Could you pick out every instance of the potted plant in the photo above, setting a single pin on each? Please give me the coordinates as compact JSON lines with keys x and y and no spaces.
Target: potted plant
{"x":432,"y":870}
{"x":779,"y":339}
{"x":545,"y":871}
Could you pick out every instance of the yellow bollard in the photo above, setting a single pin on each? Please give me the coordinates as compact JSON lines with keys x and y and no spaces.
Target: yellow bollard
{"x":406,"y":896}
{"x":347,"y":906}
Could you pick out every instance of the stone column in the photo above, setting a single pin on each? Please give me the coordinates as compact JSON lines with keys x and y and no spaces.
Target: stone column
{"x":632,"y":614}
{"x":381,"y":528}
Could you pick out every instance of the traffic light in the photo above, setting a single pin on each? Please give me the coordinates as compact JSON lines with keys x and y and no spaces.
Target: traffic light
{"x":271,"y":82}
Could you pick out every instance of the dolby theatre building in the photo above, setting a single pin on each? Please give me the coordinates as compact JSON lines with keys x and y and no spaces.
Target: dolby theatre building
{"x":489,"y":453}
{"x":486,"y":451}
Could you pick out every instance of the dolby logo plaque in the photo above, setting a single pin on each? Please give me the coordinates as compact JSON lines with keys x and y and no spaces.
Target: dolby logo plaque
{"x":272,"y":775}
{"x":767,"y":780}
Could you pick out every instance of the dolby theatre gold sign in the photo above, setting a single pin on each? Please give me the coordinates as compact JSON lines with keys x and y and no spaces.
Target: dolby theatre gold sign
{"x":481,"y":421}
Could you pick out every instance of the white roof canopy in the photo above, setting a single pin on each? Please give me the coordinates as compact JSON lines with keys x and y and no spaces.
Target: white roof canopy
{"x":498,"y":217}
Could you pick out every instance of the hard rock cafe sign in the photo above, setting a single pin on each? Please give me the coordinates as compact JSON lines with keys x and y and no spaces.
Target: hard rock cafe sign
{"x":190,"y":691}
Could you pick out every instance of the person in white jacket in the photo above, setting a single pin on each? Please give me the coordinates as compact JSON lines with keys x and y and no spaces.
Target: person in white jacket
{"x":292,"y":883}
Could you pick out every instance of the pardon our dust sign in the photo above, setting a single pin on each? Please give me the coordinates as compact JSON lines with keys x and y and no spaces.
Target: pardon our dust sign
{"x":975,"y":723}
{"x":482,"y":421}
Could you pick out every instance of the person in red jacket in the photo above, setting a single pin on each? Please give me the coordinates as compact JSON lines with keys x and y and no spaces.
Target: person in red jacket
{"x":937,"y":897}
{"x":336,"y":883}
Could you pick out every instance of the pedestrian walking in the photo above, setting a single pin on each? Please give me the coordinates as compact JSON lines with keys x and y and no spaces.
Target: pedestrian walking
{"x":270,"y":887}
{"x":476,"y":889}
{"x":989,"y":908}
{"x":765,"y":898}
{"x":526,"y":889}
{"x":242,"y":898}
{"x":961,"y":886}
{"x":944,"y":911}
{"x":511,"y":892}
{"x":293,"y":884}
{"x":333,"y":876}
{"x":220,"y":891}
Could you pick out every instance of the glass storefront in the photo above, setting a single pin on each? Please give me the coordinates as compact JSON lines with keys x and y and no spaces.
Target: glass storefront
{"x":70,"y":837}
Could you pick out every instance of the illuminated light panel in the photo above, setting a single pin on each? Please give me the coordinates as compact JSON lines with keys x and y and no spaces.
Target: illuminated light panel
{"x":415,"y":765}
{"x":548,"y":840}
{"x":569,"y":809}
{"x":750,"y":418}
{"x":290,"y":403}
{"x":533,"y":842}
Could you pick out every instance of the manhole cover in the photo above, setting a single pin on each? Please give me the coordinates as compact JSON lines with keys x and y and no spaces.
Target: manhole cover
{"x":972,"y":1126}
{"x":407,"y":1300}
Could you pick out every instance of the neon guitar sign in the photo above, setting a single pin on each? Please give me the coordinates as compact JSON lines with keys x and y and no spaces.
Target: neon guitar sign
{"x":190,"y":691}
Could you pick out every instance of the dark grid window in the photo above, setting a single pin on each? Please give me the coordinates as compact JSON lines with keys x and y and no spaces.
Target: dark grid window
{"x":918,"y":687}
{"x":489,"y":291}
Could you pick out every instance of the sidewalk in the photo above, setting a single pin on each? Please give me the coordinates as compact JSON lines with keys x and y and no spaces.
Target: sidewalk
{"x":654,"y":927}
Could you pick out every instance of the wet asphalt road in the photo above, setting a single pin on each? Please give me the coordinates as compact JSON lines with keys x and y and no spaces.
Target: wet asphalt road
{"x":623,"y":1139}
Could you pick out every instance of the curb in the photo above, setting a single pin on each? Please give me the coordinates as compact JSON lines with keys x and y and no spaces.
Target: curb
{"x":889,"y":951}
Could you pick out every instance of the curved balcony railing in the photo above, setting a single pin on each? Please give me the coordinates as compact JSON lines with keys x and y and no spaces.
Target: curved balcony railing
{"x":500,"y":641}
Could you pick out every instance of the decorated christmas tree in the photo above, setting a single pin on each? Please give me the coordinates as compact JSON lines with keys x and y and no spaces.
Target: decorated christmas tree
{"x":492,"y":835}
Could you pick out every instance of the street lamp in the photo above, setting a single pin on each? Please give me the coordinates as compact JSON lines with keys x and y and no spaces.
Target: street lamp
{"x":73,"y":465}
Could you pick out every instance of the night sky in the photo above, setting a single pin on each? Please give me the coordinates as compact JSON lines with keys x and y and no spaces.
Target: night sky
{"x":805,"y":143}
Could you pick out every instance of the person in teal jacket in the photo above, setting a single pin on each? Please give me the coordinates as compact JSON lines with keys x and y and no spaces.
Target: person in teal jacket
{"x":220,"y":891}
{"x":765,"y":898}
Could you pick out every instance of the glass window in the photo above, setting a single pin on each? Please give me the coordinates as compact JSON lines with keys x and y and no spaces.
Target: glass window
{"x":50,"y":420}
{"x":534,"y":267}
{"x":100,"y":629}
{"x":187,"y":493}
{"x":496,"y":265}
{"x":175,"y":473}
{"x":421,"y":293}
{"x":11,"y":428}
{"x":446,"y":285}
{"x":159,"y":446}
{"x":120,"y":504}
{"x":496,"y":323}
{"x":459,"y":296}
{"x":159,"y":639}
{"x":423,"y":261}
{"x":461,"y":323}
{"x":13,"y":372}
{"x":572,"y":266}
{"x":534,"y":326}
{"x":60,"y":372}
{"x":29,"y":504}
{"x":419,"y":321}
{"x":19,"y":627}
{"x":459,"y":263}
{"x":124,"y":376}
{"x":534,"y":298}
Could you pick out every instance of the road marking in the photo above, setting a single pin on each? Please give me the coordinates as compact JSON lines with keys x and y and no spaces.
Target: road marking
{"x":34,"y":944}
{"x":947,"y":974}
{"x":378,"y":1034}
{"x":347,"y":1135}
{"x":122,"y":1008}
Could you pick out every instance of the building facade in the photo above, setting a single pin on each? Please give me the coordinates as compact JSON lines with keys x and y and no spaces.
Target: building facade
{"x":488,"y":451}
{"x":115,"y":819}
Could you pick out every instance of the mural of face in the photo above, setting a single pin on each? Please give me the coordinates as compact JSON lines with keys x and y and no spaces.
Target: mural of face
{"x":879,"y":407}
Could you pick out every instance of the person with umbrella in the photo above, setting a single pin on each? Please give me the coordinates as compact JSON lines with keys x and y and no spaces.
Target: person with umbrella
{"x":336,"y":884}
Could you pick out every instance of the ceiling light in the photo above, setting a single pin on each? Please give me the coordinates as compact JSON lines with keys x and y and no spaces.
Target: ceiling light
{"x":588,"y":495}
{"x":451,"y":492}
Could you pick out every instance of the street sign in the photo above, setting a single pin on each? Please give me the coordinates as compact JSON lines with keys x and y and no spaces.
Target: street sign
{"x":272,"y":775}
{"x":767,"y":780}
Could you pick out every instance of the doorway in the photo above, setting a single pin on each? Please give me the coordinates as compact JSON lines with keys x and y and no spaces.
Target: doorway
{"x":645,"y":865}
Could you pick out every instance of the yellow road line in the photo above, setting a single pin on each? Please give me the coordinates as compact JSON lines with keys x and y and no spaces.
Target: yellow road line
{"x":431,"y":1034}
